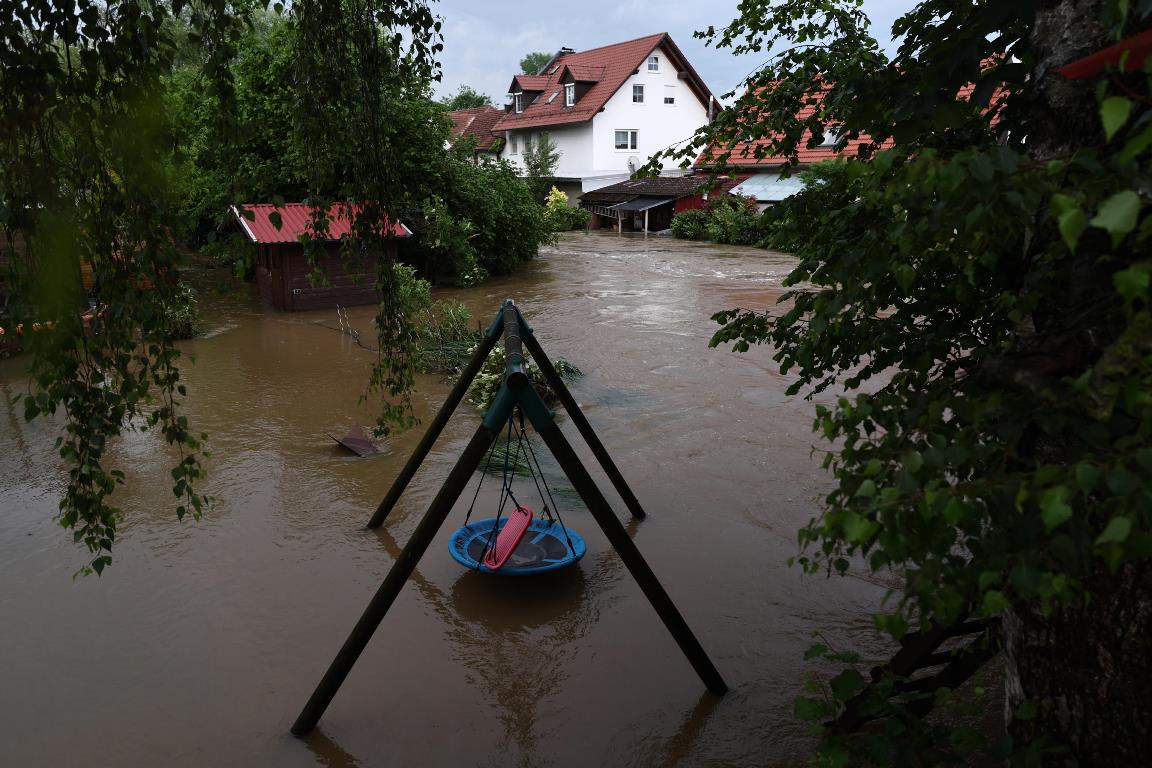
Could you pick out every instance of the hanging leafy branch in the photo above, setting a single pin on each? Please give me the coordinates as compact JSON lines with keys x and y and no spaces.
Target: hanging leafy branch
{"x":978,"y":296}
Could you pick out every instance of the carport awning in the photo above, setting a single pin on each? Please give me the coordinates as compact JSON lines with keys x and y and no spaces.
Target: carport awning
{"x":768,"y":187}
{"x":642,"y":203}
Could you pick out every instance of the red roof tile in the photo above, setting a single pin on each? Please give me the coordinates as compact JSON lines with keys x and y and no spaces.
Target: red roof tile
{"x":607,"y":67}
{"x":478,"y":122}
{"x":296,"y":222}
{"x":744,"y":154}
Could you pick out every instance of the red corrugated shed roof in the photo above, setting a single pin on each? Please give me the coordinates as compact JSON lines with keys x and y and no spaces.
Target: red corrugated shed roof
{"x":478,"y":122}
{"x":616,"y":62}
{"x":296,"y":222}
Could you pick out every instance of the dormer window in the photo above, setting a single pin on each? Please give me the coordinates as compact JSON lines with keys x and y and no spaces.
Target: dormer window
{"x":637,"y":94}
{"x":831,"y":135}
{"x":518,"y":102}
{"x":570,"y":94}
{"x":653,"y":63}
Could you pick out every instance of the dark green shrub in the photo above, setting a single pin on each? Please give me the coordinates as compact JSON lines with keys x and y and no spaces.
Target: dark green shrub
{"x":690,"y":225}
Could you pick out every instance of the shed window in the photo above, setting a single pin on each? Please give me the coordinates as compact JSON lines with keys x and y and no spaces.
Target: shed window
{"x":669,"y":94}
{"x":570,"y":94}
{"x":638,"y":94}
{"x":653,"y":63}
{"x":626,"y":139}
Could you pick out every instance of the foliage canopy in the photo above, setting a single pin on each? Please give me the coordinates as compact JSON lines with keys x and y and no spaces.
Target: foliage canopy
{"x":971,"y":314}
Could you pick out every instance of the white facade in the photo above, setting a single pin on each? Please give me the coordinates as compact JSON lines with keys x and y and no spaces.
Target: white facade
{"x":589,"y":151}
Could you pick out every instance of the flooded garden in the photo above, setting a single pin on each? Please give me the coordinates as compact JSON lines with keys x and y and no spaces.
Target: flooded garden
{"x":204,"y":640}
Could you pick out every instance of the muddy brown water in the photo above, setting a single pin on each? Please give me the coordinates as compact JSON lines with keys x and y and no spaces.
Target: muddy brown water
{"x":203,"y":641}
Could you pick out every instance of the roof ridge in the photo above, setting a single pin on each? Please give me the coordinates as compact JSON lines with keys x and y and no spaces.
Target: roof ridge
{"x":612,"y":45}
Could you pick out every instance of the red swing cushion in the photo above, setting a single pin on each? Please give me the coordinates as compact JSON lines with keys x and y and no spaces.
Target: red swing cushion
{"x":508,"y":538}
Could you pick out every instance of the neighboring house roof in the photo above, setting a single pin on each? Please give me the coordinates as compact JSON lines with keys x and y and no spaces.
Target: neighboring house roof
{"x":745,"y":154}
{"x":296,"y":222}
{"x":477,"y":122}
{"x":607,"y":68}
{"x":660,"y":186}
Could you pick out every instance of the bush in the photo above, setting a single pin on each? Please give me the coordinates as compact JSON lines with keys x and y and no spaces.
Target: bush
{"x":729,"y":220}
{"x":482,"y":220}
{"x":690,"y":225}
{"x":487,"y":383}
{"x":182,"y":314}
{"x":560,"y":216}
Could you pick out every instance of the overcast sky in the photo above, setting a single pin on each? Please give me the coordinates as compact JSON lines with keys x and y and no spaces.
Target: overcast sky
{"x":484,"y":40}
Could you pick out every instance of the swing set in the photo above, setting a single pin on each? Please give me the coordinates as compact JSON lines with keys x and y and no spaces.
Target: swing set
{"x":519,"y":543}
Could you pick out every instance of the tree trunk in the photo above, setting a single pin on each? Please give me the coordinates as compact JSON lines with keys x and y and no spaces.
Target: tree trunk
{"x":1082,"y":675}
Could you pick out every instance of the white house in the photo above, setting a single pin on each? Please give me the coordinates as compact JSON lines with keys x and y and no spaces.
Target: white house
{"x":606,"y":110}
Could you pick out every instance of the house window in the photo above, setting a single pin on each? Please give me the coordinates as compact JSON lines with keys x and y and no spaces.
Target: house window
{"x":669,"y":94}
{"x":570,"y":94}
{"x":626,"y":139}
{"x":831,"y":135}
{"x":518,"y":99}
{"x":653,"y":63}
{"x":513,"y":144}
{"x":638,"y":94}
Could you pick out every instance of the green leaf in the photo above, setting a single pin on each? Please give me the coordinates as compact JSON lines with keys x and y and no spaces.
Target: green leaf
{"x":1054,"y":509}
{"x":1114,"y":113}
{"x":1132,"y":283}
{"x":846,"y":684}
{"x":858,"y":529}
{"x":274,"y":218}
{"x":1086,"y":477}
{"x":1116,"y":531}
{"x":810,"y":709}
{"x":867,"y":489}
{"x":994,"y":602}
{"x":1117,"y":215}
{"x":819,"y":649}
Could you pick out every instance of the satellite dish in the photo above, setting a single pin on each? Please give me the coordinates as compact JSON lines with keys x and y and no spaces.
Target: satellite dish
{"x":633,"y":164}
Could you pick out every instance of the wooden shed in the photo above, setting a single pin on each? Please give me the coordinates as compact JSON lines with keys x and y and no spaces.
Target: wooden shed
{"x":283,"y":274}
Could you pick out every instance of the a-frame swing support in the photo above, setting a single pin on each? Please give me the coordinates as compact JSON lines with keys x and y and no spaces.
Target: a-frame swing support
{"x":516,"y":390}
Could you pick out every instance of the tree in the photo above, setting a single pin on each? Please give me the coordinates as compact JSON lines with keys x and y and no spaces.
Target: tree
{"x":534,"y":62}
{"x":540,"y":159}
{"x":466,"y":98}
{"x":87,"y":189}
{"x":981,"y":294}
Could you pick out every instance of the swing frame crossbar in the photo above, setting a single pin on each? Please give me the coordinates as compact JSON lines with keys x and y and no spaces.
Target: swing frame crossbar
{"x":515,"y":391}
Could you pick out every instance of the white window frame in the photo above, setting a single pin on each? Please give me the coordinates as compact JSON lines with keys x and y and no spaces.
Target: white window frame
{"x":570,"y":94}
{"x":632,"y":141}
{"x":518,"y":101}
{"x":653,"y":63}
{"x":639,"y":93}
{"x":670,"y":93}
{"x":513,"y":144}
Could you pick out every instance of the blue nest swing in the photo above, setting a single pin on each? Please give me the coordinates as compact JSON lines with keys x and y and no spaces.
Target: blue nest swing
{"x":518,"y":544}
{"x":547,"y":546}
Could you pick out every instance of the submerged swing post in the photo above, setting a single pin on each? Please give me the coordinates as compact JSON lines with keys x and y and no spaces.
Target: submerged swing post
{"x":515,"y":390}
{"x":402,"y":569}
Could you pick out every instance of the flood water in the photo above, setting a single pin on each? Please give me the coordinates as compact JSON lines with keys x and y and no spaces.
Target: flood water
{"x":200,"y":645}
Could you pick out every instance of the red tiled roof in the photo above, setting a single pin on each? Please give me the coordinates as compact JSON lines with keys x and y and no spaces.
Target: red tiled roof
{"x":744,"y":154}
{"x":530,"y":82}
{"x":615,"y":64}
{"x":296,"y":222}
{"x":478,"y":122}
